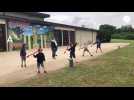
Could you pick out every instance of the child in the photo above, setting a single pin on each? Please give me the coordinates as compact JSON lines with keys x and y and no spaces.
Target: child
{"x":23,"y":55}
{"x":85,"y":49}
{"x":98,"y":42}
{"x":72,"y":50}
{"x":40,"y":59}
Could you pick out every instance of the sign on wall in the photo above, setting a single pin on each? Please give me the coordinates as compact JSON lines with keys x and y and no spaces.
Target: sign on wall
{"x":42,"y":29}
{"x":28,"y":30}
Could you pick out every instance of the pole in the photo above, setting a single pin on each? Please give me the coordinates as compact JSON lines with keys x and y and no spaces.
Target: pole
{"x":69,"y":37}
{"x":62,"y":37}
{"x":41,"y":36}
{"x":29,"y":42}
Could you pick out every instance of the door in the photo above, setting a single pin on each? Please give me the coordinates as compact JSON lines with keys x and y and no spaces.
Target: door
{"x":2,"y":37}
{"x":72,"y":37}
{"x":58,"y":37}
{"x":65,"y":38}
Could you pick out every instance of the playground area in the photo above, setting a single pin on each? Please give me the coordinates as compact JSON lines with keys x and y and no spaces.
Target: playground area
{"x":10,"y":62}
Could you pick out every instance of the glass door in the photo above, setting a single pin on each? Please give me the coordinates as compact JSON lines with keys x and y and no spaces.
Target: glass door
{"x":2,"y":37}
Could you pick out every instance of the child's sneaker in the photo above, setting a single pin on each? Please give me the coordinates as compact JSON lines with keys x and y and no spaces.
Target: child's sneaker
{"x":25,"y":66}
{"x":38,"y":72}
{"x":21,"y":66}
{"x":77,"y":62}
{"x":91,"y":55}
{"x":45,"y":71}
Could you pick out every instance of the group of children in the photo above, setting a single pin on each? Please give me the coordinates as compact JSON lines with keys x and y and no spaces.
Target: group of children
{"x":38,"y":54}
{"x":41,"y":57}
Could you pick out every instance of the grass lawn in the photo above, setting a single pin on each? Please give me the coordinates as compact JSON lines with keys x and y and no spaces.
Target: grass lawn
{"x":112,"y":69}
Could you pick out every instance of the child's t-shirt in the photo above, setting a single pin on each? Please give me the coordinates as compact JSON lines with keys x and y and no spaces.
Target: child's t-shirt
{"x":40,"y":57}
{"x":72,"y":49}
{"x":23,"y":52}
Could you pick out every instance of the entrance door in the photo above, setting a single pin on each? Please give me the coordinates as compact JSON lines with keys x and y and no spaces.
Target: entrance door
{"x":58,"y":37}
{"x":2,"y":37}
{"x":72,"y":37}
{"x":65,"y":38}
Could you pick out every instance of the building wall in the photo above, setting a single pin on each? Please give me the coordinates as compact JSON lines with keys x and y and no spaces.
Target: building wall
{"x":20,"y":15}
{"x":85,"y":36}
{"x":94,"y":36}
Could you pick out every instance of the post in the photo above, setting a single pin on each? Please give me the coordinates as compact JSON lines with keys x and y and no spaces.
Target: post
{"x":25,"y":41}
{"x":6,"y":27}
{"x":62,"y":37}
{"x":45,"y":41}
{"x":41,"y":37}
{"x":92,"y":37}
{"x":69,"y":37}
{"x":29,"y":42}
{"x":34,"y":37}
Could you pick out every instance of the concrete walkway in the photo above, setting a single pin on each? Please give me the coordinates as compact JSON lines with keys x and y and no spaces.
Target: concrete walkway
{"x":10,"y":70}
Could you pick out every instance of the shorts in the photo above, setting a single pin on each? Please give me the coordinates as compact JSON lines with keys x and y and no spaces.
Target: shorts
{"x":72,"y":55}
{"x":98,"y":46}
{"x":23,"y":58}
{"x":40,"y":64}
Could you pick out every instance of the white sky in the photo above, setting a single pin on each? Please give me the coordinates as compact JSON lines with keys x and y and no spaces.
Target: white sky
{"x":92,"y":19}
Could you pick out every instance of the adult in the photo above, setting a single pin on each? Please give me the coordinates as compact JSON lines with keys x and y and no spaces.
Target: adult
{"x":53,"y":48}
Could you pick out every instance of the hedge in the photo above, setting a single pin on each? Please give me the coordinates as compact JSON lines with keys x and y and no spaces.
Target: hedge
{"x":126,"y":35}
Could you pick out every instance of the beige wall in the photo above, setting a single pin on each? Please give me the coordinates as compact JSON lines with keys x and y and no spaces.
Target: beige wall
{"x":94,"y":36}
{"x":63,"y":28}
{"x":85,"y":36}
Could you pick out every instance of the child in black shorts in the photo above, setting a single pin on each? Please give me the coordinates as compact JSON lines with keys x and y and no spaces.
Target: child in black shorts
{"x":72,"y":51}
{"x":40,"y":60}
{"x":98,"y":42}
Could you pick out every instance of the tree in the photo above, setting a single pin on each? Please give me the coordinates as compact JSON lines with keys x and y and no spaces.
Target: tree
{"x":83,"y":26}
{"x":106,"y":31}
{"x":126,"y":28}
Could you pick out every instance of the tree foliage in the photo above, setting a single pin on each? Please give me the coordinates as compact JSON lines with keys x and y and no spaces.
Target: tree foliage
{"x":106,"y":31}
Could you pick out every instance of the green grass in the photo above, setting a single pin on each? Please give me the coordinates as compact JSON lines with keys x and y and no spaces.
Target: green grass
{"x":112,"y":69}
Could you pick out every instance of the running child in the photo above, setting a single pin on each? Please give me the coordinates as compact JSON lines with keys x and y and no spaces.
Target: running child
{"x":40,"y":60}
{"x":85,"y":49}
{"x":72,"y":50}
{"x":23,"y":55}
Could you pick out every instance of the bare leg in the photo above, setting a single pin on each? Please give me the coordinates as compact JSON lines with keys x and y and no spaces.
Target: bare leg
{"x":96,"y":50}
{"x":38,"y":67}
{"x":21,"y":63}
{"x":83,"y":52}
{"x":89,"y":53}
{"x":101,"y":50}
{"x":43,"y":68}
{"x":25,"y":62}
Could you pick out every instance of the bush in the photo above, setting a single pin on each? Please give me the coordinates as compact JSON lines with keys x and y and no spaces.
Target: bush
{"x":125,"y":35}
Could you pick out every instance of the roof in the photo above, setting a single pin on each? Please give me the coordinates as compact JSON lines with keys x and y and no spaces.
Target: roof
{"x":69,"y":26}
{"x":42,"y":15}
{"x":62,"y":25}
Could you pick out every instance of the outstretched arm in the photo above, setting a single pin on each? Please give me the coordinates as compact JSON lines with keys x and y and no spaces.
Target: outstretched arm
{"x":93,"y":44}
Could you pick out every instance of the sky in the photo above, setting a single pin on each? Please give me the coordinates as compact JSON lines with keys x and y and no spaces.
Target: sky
{"x":92,"y":19}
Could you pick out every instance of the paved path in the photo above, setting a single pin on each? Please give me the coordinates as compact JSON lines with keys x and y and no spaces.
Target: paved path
{"x":10,"y":70}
